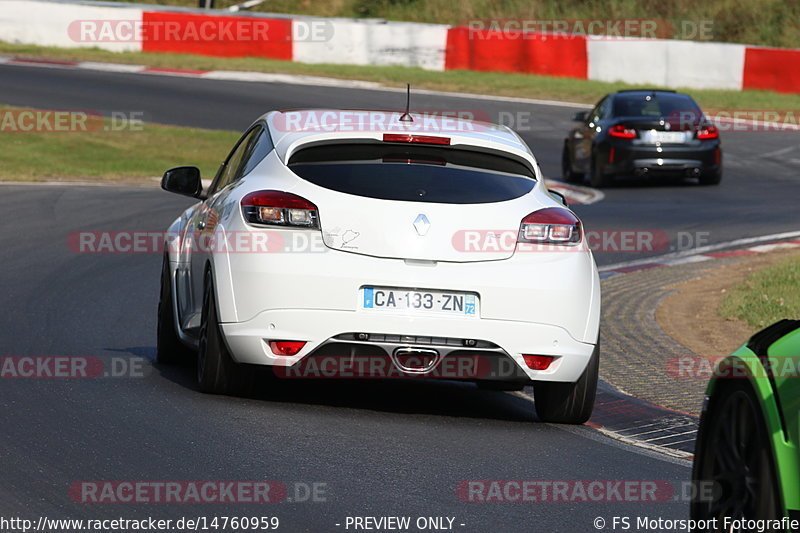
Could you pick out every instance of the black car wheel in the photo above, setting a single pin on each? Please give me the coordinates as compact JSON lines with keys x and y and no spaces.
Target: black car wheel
{"x":733,"y":456}
{"x":217,"y":372}
{"x":712,"y":178}
{"x":569,"y":403}
{"x":569,"y":175}
{"x":597,"y":179}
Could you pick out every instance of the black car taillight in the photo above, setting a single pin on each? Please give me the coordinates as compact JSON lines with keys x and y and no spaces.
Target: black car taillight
{"x":707,"y":132}
{"x":621,"y":132}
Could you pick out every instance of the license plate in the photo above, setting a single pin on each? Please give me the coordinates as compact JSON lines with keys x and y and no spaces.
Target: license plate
{"x":462,"y":304}
{"x":672,"y":137}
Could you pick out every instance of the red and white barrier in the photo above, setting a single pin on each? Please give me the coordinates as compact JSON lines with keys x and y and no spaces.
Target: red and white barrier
{"x":49,"y":23}
{"x":369,"y":42}
{"x":772,"y":69}
{"x":667,"y":63}
{"x":658,"y":62}
{"x":535,"y":53}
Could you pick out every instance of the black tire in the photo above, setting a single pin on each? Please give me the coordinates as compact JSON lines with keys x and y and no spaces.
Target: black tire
{"x":217,"y":372}
{"x":566,"y":168}
{"x":711,"y":179}
{"x":569,"y":403}
{"x":169,"y":348}
{"x":597,"y":179}
{"x":733,"y":454}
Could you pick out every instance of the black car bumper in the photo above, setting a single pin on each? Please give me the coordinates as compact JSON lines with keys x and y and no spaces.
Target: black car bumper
{"x":644,"y":160}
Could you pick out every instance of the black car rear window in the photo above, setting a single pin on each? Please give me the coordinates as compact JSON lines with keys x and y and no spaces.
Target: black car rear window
{"x":413,"y":173}
{"x":653,"y":105}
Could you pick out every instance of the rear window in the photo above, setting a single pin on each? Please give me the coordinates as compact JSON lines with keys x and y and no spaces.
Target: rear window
{"x":653,"y":105}
{"x":413,"y":173}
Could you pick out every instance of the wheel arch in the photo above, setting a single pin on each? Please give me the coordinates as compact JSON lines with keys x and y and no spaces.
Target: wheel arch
{"x":219,"y":265}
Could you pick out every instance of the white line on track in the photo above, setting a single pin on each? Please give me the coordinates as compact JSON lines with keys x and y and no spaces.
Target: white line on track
{"x":702,"y":250}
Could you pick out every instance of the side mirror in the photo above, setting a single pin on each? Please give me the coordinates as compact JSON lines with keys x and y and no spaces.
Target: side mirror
{"x":580,"y":116}
{"x":183,"y":180}
{"x":558,"y":196}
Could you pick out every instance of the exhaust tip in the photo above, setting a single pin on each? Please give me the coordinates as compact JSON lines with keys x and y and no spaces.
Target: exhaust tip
{"x":415,"y":360}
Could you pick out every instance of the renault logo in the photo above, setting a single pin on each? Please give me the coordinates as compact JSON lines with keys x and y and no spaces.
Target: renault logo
{"x":422,"y":224}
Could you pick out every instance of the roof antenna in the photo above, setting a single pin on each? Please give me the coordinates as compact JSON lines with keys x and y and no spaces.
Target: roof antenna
{"x":406,"y":117}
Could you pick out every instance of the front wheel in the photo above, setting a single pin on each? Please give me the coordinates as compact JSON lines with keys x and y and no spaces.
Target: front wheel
{"x":733,"y":456}
{"x":569,"y":403}
{"x":217,"y":372}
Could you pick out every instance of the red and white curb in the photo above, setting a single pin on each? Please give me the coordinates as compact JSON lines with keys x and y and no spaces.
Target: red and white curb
{"x":575,"y":194}
{"x":764,"y":243}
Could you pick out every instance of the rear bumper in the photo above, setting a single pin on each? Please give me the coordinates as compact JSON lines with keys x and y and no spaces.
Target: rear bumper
{"x":249,"y":343}
{"x":537,"y":303}
{"x":639,"y":160}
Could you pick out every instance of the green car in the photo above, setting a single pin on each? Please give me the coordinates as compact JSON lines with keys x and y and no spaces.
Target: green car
{"x":748,"y":443}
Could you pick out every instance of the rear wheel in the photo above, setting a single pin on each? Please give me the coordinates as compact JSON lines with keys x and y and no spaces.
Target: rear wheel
{"x":217,"y":372}
{"x":711,"y":179}
{"x":569,"y":403}
{"x":596,"y":177}
{"x":733,"y":454}
{"x":567,"y":173}
{"x":169,"y":348}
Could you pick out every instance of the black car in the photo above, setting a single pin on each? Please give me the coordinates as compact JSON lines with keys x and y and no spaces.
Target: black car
{"x":642,"y":132}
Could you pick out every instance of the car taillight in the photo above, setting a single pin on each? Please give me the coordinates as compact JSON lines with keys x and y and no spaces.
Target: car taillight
{"x":418,"y":139}
{"x":538,"y":362}
{"x":621,"y":132}
{"x":552,"y":225}
{"x":286,"y":347}
{"x":708,"y":132}
{"x":278,"y":208}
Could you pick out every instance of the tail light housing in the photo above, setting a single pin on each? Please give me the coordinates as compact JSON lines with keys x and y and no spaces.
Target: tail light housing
{"x":707,"y":132}
{"x":278,"y":208}
{"x":552,"y":225}
{"x":621,"y":132}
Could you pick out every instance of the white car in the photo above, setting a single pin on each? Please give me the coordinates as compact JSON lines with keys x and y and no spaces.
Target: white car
{"x":356,"y":244}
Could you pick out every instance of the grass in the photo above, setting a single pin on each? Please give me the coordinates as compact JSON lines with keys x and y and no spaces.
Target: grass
{"x":764,"y":22}
{"x":495,"y":83}
{"x":98,"y":153}
{"x":767,"y":295}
